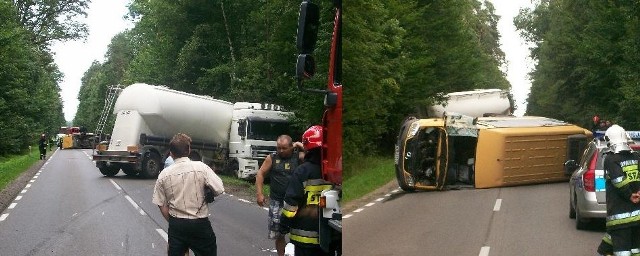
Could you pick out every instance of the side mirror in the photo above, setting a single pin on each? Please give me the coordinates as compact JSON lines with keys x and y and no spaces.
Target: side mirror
{"x":330,"y":99}
{"x":569,"y":167}
{"x":308,"y":22}
{"x":305,"y":67}
{"x":242,"y":128}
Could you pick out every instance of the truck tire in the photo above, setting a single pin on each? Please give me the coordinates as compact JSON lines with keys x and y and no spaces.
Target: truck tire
{"x":110,"y":170}
{"x":129,"y":170}
{"x":151,"y":165}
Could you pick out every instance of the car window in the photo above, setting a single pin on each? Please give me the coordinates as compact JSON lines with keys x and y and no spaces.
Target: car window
{"x":586,"y":156}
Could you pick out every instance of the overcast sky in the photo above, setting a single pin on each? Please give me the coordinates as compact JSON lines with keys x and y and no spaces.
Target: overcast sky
{"x":105,"y":19}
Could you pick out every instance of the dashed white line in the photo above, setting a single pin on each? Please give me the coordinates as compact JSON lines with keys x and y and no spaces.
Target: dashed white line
{"x":379,"y":199}
{"x":12,"y":205}
{"x":387,"y":195}
{"x":32,"y":181}
{"x":359,"y":210}
{"x":496,"y":207}
{"x":135,"y":205}
{"x":153,"y":245}
{"x":23,"y":191}
{"x":395,"y":191}
{"x":28,"y":186}
{"x":115,"y":184}
{"x":265,"y":208}
{"x":243,"y":200}
{"x":4,"y":216}
{"x":484,"y":251}
{"x":163,"y":234}
{"x":347,"y":216}
{"x":18,"y":198}
{"x":369,"y":204}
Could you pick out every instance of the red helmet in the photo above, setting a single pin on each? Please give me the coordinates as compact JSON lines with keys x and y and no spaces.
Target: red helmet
{"x":312,"y":137}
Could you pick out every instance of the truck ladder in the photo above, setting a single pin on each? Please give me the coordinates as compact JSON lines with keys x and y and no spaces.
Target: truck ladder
{"x":112,"y":92}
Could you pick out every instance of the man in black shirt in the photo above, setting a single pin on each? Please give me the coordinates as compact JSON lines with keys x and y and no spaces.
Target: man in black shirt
{"x":280,"y":166}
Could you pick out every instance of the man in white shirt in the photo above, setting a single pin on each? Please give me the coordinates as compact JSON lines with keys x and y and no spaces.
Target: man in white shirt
{"x":179,"y":193}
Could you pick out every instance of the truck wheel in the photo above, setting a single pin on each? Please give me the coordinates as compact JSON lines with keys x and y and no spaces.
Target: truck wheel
{"x":110,"y":171}
{"x":231,"y":168}
{"x":128,"y":170}
{"x":151,"y":165}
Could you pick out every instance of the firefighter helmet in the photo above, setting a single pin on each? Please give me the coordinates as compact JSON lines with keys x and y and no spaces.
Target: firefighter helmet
{"x":312,"y":137}
{"x":617,"y":139}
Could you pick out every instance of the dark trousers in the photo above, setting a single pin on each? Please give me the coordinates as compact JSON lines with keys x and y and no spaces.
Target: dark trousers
{"x":194,"y":234}
{"x":625,"y":239}
{"x":309,"y":251}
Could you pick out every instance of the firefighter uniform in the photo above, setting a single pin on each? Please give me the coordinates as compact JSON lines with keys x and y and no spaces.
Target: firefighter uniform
{"x":623,"y":216}
{"x":301,"y":211}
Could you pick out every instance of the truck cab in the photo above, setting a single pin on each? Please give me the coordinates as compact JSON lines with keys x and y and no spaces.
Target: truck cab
{"x":254,"y":128}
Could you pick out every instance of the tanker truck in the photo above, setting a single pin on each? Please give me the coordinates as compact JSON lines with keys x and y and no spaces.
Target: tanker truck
{"x":233,"y":138}
{"x":476,"y":103}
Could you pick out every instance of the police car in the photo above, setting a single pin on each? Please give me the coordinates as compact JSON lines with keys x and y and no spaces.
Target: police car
{"x":587,"y":183}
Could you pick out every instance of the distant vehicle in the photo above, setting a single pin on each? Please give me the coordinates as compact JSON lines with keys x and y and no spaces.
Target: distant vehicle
{"x":75,"y":137}
{"x":233,"y":137}
{"x":587,"y":191}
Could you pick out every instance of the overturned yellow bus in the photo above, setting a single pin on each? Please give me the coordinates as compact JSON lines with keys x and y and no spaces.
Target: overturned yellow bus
{"x":465,"y":152}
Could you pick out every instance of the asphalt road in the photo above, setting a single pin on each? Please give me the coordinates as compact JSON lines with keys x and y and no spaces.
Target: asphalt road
{"x":69,"y":208}
{"x":524,"y":220}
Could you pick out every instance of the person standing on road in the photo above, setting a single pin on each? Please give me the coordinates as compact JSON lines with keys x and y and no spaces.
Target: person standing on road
{"x":42,"y":145}
{"x":280,"y":165}
{"x":300,"y":212}
{"x":179,"y":193}
{"x":622,"y":179}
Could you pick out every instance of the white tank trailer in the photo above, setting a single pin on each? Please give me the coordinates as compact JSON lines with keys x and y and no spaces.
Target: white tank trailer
{"x":476,"y":103}
{"x":232,"y":138}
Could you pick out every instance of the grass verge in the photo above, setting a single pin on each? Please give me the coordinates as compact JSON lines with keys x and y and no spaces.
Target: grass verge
{"x":12,"y":166}
{"x":366,"y":175}
{"x":232,"y":184}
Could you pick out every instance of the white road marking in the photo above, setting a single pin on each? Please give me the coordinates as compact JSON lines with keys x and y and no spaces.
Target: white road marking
{"x":369,"y":204}
{"x":115,"y":184}
{"x":102,"y":213}
{"x":395,"y":191}
{"x":122,"y":244}
{"x":163,"y":234}
{"x":74,"y":214}
{"x":23,"y":191}
{"x":4,"y":216}
{"x":243,"y":200}
{"x":387,"y":195}
{"x":379,"y":199}
{"x":496,"y":207}
{"x":32,"y":181}
{"x":359,"y":210}
{"x":153,"y":245}
{"x":135,"y":205}
{"x":266,"y":208}
{"x":12,"y":205}
{"x":28,"y":186}
{"x":18,"y":198}
{"x":484,"y":251}
{"x":347,"y":216}
{"x":35,"y":177}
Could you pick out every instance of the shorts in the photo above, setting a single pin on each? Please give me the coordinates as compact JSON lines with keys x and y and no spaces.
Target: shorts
{"x":275,"y":207}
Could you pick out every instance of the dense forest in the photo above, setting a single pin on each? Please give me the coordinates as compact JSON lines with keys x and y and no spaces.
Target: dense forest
{"x":399,"y":56}
{"x":587,"y":55}
{"x":30,"y":102}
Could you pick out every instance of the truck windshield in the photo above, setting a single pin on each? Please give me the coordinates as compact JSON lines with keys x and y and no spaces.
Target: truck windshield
{"x":267,"y":130}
